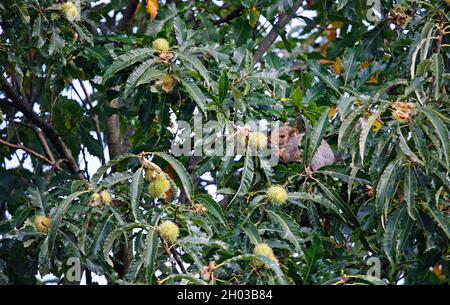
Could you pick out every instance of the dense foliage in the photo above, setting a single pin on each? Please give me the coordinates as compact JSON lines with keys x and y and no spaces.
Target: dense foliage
{"x":107,"y":80}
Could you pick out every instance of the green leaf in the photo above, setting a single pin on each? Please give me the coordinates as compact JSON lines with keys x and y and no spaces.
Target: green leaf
{"x":104,"y":168}
{"x":342,"y":173}
{"x":289,"y":228}
{"x":100,"y":233}
{"x":150,"y":251}
{"x":397,"y":230}
{"x":410,"y":188}
{"x":213,"y":207}
{"x":317,"y":135}
{"x":85,"y":35}
{"x":114,"y":179}
{"x":438,"y":71}
{"x":367,"y":128}
{"x":223,"y":86}
{"x":406,"y":150}
{"x":346,"y":129}
{"x":252,"y":233}
{"x":194,"y":91}
{"x":341,"y":204}
{"x":312,"y":255}
{"x":126,"y":60}
{"x":246,"y":178}
{"x":38,"y":32}
{"x":181,"y":172}
{"x":38,"y":199}
{"x":253,"y":17}
{"x":143,"y":71}
{"x":441,"y":130}
{"x":196,"y":63}
{"x":317,"y":199}
{"x":56,"y":220}
{"x":56,"y":42}
{"x":268,"y":262}
{"x":179,"y":28}
{"x":113,"y":236}
{"x":386,"y":186}
{"x":441,"y":219}
{"x":326,"y":77}
{"x":137,"y":184}
{"x":349,"y":65}
{"x":23,"y":11}
{"x":427,"y":30}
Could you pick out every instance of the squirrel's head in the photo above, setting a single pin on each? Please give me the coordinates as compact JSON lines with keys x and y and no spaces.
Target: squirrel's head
{"x":280,"y":136}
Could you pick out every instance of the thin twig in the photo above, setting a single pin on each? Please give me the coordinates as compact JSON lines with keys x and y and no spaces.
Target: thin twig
{"x":28,"y":150}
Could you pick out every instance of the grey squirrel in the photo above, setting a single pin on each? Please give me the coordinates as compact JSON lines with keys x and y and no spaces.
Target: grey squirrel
{"x":286,"y":140}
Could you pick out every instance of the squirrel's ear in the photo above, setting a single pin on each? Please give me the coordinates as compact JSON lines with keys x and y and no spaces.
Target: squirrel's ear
{"x":292,"y":131}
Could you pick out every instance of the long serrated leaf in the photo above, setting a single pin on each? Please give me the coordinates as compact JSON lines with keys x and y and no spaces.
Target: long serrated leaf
{"x":104,"y":168}
{"x":406,"y":150}
{"x":126,"y":60}
{"x":250,"y":257}
{"x":196,"y":63}
{"x":223,"y":86}
{"x":212,"y":206}
{"x":143,"y":69}
{"x":100,"y":233}
{"x":289,"y":228}
{"x":114,"y":179}
{"x":56,"y":220}
{"x":317,"y":199}
{"x":85,"y":35}
{"x":385,"y":186}
{"x":187,"y":277}
{"x":137,"y":184}
{"x":346,"y":128}
{"x":441,"y":130}
{"x":393,"y":229}
{"x":441,"y":219}
{"x":341,"y":204}
{"x":246,"y":177}
{"x":317,"y":135}
{"x":329,"y":80}
{"x":410,"y":187}
{"x":194,"y":91}
{"x":181,"y":172}
{"x":367,"y":128}
{"x":149,"y":253}
{"x":113,"y":236}
{"x":438,"y":71}
{"x":38,"y":199}
{"x":252,"y":233}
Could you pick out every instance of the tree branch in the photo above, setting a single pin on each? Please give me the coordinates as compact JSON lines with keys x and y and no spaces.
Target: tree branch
{"x":283,"y":20}
{"x":28,"y":150}
{"x":48,"y":129}
{"x":234,"y":14}
{"x":128,"y":15}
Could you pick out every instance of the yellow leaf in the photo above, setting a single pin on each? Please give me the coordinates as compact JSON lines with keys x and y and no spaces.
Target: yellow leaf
{"x":437,"y":271}
{"x":376,"y":126}
{"x":332,"y":113}
{"x":152,"y":8}
{"x":374,"y":79}
{"x":364,"y":65}
{"x":338,"y":67}
{"x":337,"y":24}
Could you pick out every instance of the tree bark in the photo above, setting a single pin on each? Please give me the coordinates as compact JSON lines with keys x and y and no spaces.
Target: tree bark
{"x":283,"y":20}
{"x":47,"y":128}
